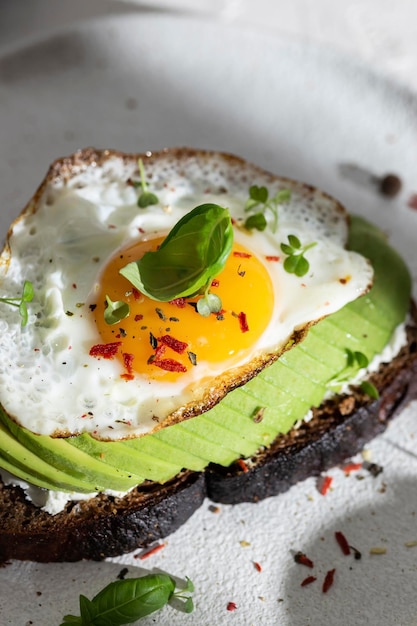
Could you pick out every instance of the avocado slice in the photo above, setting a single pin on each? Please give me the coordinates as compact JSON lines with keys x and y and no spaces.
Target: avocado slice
{"x":76,"y":468}
{"x":285,"y":392}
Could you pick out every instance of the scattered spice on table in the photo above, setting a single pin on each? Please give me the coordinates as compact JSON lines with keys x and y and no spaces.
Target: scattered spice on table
{"x":308,"y":581}
{"x":231,"y":606}
{"x":303,"y":559}
{"x":342,"y":541}
{"x":328,"y":580}
{"x":151,"y":552}
{"x":324,"y":484}
{"x":377,"y":550}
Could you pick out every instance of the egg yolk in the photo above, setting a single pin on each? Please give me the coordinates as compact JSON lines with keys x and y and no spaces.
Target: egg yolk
{"x":164,"y":340}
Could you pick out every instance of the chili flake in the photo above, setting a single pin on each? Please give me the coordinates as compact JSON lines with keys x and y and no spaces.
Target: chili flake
{"x":271,"y":257}
{"x":174,"y":344}
{"x":242,"y":255}
{"x":244,"y":327}
{"x":302,"y":559}
{"x":179,"y":302}
{"x":169,"y":365}
{"x":308,"y":581}
{"x":342,"y":541}
{"x":105,"y":350}
{"x":257,"y":566}
{"x":328,"y":580}
{"x":231,"y":606}
{"x":242,"y":465}
{"x":352,"y":467}
{"x":325,"y":485}
{"x":215,"y":283}
{"x":138,"y":317}
{"x":127,"y":362}
{"x":154,"y":550}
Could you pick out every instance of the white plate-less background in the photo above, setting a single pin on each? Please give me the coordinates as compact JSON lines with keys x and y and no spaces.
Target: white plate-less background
{"x":141,"y":82}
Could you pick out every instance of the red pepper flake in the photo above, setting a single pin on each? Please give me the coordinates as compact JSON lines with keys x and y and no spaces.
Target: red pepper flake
{"x":136,"y":293}
{"x":328,"y":580}
{"x":242,"y":255}
{"x":181,"y":303}
{"x":244,"y":327}
{"x":127,"y":362}
{"x":231,"y":606}
{"x":343,"y":543}
{"x":74,"y":286}
{"x":152,"y":551}
{"x":308,"y":581}
{"x":325,"y":484}
{"x":169,"y":365}
{"x":412,"y":201}
{"x":141,"y":230}
{"x":271,"y":257}
{"x":105,"y":350}
{"x":352,"y":467}
{"x":302,"y":559}
{"x":174,"y":344}
{"x":257,"y":566}
{"x":215,"y":283}
{"x":242,"y":465}
{"x":138,"y":317}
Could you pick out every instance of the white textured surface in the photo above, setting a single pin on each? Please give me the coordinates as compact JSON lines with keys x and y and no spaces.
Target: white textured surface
{"x":133,"y":84}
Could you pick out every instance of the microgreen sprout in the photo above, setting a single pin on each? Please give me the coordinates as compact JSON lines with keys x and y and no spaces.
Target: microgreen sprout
{"x":21,"y":303}
{"x":128,"y":600}
{"x":355,"y":361}
{"x":115,"y":311}
{"x":296,"y":263}
{"x":260,"y":201}
{"x":209,"y":303}
{"x":146,"y":198}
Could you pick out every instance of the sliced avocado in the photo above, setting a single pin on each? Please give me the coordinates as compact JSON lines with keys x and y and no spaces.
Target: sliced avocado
{"x":79,"y":468}
{"x":18,"y":460}
{"x":282,"y":393}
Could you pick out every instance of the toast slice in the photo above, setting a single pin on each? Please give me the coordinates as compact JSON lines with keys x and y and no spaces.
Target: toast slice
{"x":106,"y":526}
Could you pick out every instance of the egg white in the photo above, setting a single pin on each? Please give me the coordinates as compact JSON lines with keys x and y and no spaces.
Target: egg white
{"x":48,"y":381}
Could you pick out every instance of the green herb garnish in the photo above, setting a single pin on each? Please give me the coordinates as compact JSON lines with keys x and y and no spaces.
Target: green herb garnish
{"x":125,"y":601}
{"x":115,"y":311}
{"x":355,"y":361}
{"x":259,"y":199}
{"x":370,"y":389}
{"x":21,"y":303}
{"x":146,"y":198}
{"x":188,"y":259}
{"x":296,"y":263}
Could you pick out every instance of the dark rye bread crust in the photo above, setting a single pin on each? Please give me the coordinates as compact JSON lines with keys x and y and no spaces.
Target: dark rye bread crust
{"x":107,"y":526}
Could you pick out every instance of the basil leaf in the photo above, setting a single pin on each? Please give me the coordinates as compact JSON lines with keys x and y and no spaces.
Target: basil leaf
{"x":87,"y":610}
{"x":194,"y":251}
{"x":72,"y":619}
{"x":115,"y":311}
{"x":125,"y":601}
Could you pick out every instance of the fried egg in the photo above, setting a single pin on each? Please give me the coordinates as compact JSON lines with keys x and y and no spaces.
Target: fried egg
{"x":67,"y":371}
